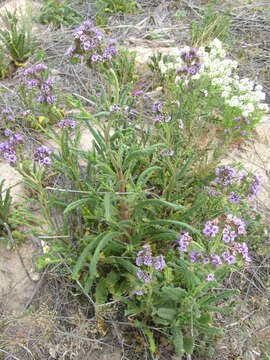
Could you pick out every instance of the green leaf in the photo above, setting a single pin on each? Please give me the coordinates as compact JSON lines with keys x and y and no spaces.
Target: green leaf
{"x":174,"y":294}
{"x":205,"y":318}
{"x":102,"y":243}
{"x":101,"y":292}
{"x":146,"y":175}
{"x":75,"y":204}
{"x":82,"y":258}
{"x":125,"y":263}
{"x":207,"y":330}
{"x":107,"y":204}
{"x":151,"y":340}
{"x":176,"y":223}
{"x":188,"y":345}
{"x":157,"y":202}
{"x":167,"y":313}
{"x":177,"y":339}
{"x":211,"y":298}
{"x":138,"y":153}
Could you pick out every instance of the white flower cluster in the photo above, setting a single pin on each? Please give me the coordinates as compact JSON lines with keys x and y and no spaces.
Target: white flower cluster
{"x":240,"y":93}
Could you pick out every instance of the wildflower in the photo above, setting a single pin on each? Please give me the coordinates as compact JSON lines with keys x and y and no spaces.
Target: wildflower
{"x":67,"y":124}
{"x":225,"y":175}
{"x":147,"y":278}
{"x":159,"y":262}
{"x":210,"y":277}
{"x":166,"y":153}
{"x":216,"y":260}
{"x":115,"y":108}
{"x":211,"y":228}
{"x":140,"y":274}
{"x":42,"y":155}
{"x":139,"y":292}
{"x":184,"y":241}
{"x":235,"y":198}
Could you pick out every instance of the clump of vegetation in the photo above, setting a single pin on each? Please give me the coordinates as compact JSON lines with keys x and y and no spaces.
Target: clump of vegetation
{"x":105,"y":7}
{"x":58,"y":13}
{"x":17,"y":39}
{"x":151,"y":220}
{"x":213,"y":25}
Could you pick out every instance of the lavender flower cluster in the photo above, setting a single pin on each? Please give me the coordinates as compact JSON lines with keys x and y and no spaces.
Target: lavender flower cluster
{"x":226,"y":175}
{"x":251,"y":183}
{"x":145,"y":259}
{"x":14,"y":138}
{"x":67,"y":123}
{"x":42,"y":155}
{"x":161,"y":115}
{"x":242,"y":125}
{"x":8,"y":147}
{"x":228,"y":249}
{"x":6,"y":117}
{"x":90,"y":42}
{"x":248,"y":184}
{"x":191,"y":61}
{"x":34,"y":78}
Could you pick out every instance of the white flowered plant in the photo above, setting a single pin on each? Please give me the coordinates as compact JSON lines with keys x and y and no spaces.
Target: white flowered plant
{"x":212,"y":64}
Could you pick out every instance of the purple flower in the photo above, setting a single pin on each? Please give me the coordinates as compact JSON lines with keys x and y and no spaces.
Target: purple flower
{"x":96,"y":58}
{"x":210,"y":228}
{"x":42,"y":155}
{"x":147,"y":278}
{"x":167,"y":153}
{"x":140,"y":274}
{"x":115,"y":108}
{"x":216,"y":260}
{"x":231,"y":259}
{"x":210,"y":277}
{"x":234,"y":197}
{"x":8,"y":132}
{"x":139,"y":293}
{"x":139,"y":260}
{"x":11,"y":118}
{"x":159,"y":262}
{"x":147,"y":260}
{"x":12,"y":158}
{"x":38,"y":67}
{"x":70,"y":52}
{"x":67,"y":124}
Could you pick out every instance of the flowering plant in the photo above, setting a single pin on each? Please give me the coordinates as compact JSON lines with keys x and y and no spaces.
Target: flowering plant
{"x":129,"y":213}
{"x":90,"y":43}
{"x":240,"y":101}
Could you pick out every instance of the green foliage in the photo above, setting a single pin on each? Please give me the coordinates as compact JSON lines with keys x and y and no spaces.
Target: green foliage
{"x":124,"y":66}
{"x":213,"y":25}
{"x":5,"y":205}
{"x":4,"y":64}
{"x":131,"y":195}
{"x":117,"y":6}
{"x":143,"y":183}
{"x":58,"y":13}
{"x":18,"y":40}
{"x":14,"y":216}
{"x":105,"y":7}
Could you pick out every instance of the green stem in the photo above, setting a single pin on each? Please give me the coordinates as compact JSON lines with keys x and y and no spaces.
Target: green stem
{"x":116,"y":84}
